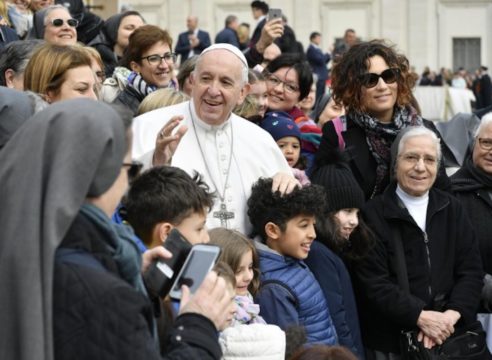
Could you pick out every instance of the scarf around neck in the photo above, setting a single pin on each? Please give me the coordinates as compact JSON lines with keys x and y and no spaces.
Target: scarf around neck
{"x":120,"y":245}
{"x":380,"y":137}
{"x":478,"y":179}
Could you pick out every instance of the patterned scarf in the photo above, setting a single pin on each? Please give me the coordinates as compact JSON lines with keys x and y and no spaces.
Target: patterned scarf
{"x":380,"y":136}
{"x":136,"y":81}
{"x":247,"y":312}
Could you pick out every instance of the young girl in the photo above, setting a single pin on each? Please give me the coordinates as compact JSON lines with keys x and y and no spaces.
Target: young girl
{"x":341,"y":234}
{"x":249,"y":337}
{"x":240,"y":254}
{"x":288,"y":137}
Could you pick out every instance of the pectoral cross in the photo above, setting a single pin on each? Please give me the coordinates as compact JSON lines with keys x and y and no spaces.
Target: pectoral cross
{"x":223,"y":215}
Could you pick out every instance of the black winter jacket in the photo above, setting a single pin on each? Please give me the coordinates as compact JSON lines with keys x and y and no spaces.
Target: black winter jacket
{"x":477,"y":203}
{"x":98,"y":315}
{"x":362,"y":162}
{"x":452,"y":270}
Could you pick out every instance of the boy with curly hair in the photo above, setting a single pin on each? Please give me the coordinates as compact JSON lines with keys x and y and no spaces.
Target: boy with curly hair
{"x":289,"y":293}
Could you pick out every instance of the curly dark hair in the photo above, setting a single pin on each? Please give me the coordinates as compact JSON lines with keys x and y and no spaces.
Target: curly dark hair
{"x":345,"y":76}
{"x":265,"y":206}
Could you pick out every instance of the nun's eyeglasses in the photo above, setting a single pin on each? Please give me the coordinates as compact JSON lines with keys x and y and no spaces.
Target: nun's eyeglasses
{"x":133,"y":169}
{"x":389,"y":76}
{"x":70,"y":22}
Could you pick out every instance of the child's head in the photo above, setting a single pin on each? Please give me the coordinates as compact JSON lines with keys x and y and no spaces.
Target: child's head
{"x":224,"y":271}
{"x":343,"y":194}
{"x":340,"y":220}
{"x":258,"y":90}
{"x":286,"y":133}
{"x":166,"y":197}
{"x":240,"y":254}
{"x":327,"y":110}
{"x":285,"y":222}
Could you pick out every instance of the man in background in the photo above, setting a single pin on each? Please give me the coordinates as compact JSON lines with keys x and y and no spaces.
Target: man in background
{"x":229,"y":34}
{"x":193,"y":41}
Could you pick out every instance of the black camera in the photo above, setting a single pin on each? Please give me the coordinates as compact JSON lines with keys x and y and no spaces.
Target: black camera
{"x":161,"y":274}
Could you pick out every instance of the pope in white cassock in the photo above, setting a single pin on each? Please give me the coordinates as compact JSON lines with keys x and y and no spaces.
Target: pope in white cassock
{"x":204,"y":135}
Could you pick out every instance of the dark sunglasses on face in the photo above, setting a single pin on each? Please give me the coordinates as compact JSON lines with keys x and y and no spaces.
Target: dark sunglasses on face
{"x":70,"y":22}
{"x":133,"y":169}
{"x":389,"y":76}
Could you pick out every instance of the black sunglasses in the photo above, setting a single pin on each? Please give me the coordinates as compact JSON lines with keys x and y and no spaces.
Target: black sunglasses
{"x":133,"y":169}
{"x":70,"y":22}
{"x":389,"y":76}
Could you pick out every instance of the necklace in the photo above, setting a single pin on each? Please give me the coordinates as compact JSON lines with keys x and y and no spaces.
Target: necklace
{"x":223,"y":214}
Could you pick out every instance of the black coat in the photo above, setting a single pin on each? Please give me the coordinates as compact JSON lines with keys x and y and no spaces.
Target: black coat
{"x":98,"y":315}
{"x":129,"y":98}
{"x":362,"y":163}
{"x":455,"y":269}
{"x":477,"y":203}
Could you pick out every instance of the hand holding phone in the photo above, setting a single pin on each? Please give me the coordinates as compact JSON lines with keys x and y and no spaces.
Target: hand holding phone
{"x":161,"y":274}
{"x":274,"y":14}
{"x":212,"y":300}
{"x":199,"y":262}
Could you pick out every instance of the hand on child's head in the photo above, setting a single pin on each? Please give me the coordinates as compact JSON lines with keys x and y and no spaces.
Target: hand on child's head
{"x":284,"y":183}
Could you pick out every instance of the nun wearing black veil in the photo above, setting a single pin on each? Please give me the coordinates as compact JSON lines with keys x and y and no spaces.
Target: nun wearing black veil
{"x":71,"y":280}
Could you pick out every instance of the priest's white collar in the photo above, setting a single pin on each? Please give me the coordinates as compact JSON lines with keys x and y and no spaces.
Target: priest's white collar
{"x":202,"y":124}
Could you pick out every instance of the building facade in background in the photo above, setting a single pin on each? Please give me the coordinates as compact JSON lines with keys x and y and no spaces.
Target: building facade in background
{"x":434,"y":33}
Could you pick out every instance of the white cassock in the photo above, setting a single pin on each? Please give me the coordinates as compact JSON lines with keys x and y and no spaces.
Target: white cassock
{"x":254,"y":154}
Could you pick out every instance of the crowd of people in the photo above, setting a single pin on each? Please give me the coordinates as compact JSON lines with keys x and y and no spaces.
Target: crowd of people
{"x":338,"y":225}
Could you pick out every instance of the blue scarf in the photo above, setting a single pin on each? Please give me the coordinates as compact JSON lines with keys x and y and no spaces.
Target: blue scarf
{"x":119,"y":242}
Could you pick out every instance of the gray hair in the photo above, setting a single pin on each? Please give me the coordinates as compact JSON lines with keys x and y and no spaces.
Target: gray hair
{"x":15,"y":56}
{"x":414,"y":131}
{"x":230,"y":19}
{"x":49,"y":9}
{"x":486,"y":121}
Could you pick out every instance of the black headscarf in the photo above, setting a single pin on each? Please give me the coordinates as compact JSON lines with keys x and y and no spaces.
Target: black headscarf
{"x":69,"y":151}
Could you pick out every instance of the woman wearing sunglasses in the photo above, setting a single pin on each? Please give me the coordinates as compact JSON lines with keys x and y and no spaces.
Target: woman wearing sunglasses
{"x":374,"y":84}
{"x":55,"y":25}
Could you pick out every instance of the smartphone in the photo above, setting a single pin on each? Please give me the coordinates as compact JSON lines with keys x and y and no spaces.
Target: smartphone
{"x":161,"y":274}
{"x":274,"y":14}
{"x":199,"y":262}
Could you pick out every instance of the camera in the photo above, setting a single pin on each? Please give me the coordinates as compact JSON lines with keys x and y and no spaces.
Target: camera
{"x":161,"y":274}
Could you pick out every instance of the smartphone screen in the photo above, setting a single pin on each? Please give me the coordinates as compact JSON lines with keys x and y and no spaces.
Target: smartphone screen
{"x":199,"y":262}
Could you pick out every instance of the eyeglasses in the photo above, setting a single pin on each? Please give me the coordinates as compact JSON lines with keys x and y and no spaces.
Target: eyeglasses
{"x":274,"y":81}
{"x":70,"y":22}
{"x":389,"y":76}
{"x":155,"y":59}
{"x":133,"y":169}
{"x":485,"y":144}
{"x":414,"y":159}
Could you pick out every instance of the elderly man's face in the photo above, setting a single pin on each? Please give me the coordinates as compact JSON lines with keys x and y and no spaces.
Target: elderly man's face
{"x":416,"y":166}
{"x":482,"y":158}
{"x":217,"y":86}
